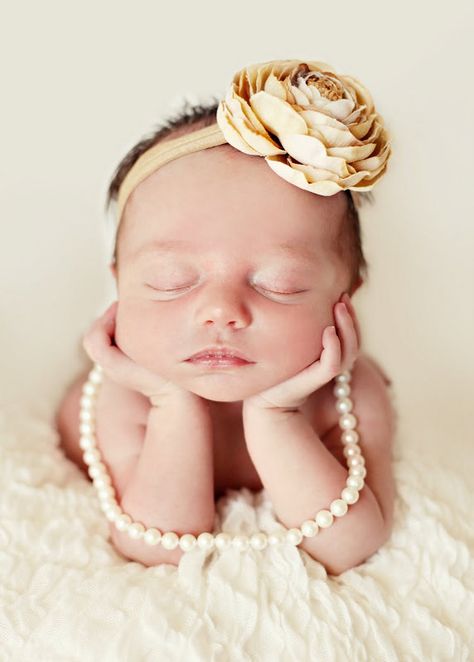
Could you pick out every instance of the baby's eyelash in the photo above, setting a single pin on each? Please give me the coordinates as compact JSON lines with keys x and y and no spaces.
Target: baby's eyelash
{"x":283,"y":293}
{"x":186,"y":287}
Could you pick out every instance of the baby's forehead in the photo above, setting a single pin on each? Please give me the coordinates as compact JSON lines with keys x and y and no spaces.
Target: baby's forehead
{"x":221,"y":190}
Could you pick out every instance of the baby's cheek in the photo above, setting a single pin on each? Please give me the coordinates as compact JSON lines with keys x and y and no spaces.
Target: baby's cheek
{"x":301,"y":343}
{"x":144,"y":336}
{"x":130,"y":330}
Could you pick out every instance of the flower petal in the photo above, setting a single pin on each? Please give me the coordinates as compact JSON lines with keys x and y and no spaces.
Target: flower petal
{"x":350,"y":154}
{"x":336,"y":137}
{"x":373,"y":162}
{"x":257,"y":140}
{"x":361,"y":129}
{"x":231,"y":134}
{"x":274,"y":87}
{"x":311,"y":151}
{"x":363,"y":96}
{"x":340,"y":108}
{"x":277,"y":115}
{"x":297,"y":178}
{"x":315,"y":119}
{"x":318,"y":174}
{"x":301,"y":99}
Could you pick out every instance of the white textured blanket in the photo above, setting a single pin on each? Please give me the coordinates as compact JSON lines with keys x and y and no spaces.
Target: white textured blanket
{"x":66,"y":594}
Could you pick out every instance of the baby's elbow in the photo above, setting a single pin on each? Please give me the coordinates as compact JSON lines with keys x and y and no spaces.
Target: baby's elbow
{"x":364,"y":554}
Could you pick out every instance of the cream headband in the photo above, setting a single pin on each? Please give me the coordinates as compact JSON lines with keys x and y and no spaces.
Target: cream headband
{"x":316,"y":129}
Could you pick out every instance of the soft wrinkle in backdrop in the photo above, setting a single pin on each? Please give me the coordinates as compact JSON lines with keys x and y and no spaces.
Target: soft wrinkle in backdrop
{"x":84,"y":81}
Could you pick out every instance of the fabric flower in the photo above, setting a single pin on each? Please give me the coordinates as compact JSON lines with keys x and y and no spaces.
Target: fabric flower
{"x":317,"y":129}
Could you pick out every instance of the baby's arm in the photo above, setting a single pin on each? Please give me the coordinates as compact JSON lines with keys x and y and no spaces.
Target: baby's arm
{"x":172,"y":485}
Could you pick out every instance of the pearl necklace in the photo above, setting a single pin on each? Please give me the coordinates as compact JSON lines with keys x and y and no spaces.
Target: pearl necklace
{"x":259,"y":540}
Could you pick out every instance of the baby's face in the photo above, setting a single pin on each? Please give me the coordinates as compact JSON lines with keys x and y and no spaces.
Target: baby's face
{"x":223,"y":276}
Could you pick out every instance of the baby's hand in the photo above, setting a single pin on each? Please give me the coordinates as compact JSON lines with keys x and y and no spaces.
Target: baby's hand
{"x":98,"y":342}
{"x":340,"y":350}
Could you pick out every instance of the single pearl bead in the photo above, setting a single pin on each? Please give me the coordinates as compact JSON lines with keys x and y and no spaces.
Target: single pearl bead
{"x":87,"y":443}
{"x":102,"y":481}
{"x":258,"y":541}
{"x":136,"y":530}
{"x":223,"y":541}
{"x":275,"y":538}
{"x":309,"y":528}
{"x":351,"y":450}
{"x":324,"y":518}
{"x":343,"y":377}
{"x":347,"y":421}
{"x":92,"y":455}
{"x":205,"y":540}
{"x":355,"y":460}
{"x":358,"y":470}
{"x":97,"y":470}
{"x":105,"y":504}
{"x":294,"y":536}
{"x":338,"y":507}
{"x":86,"y":415}
{"x":350,"y":494}
{"x":187,"y":541}
{"x":240,"y":542}
{"x":89,"y":389}
{"x":95,"y":376}
{"x":355,"y":481}
{"x":86,"y":401}
{"x":108,"y":502}
{"x":344,"y":405}
{"x":123,"y":521}
{"x":106,"y":491}
{"x":152,"y":536}
{"x":112,"y":512}
{"x":169,"y":540}
{"x":350,"y":437}
{"x":86,"y":428}
{"x":341,"y":389}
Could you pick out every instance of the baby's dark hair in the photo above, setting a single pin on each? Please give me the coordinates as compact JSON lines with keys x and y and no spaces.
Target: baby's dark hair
{"x":193,"y":116}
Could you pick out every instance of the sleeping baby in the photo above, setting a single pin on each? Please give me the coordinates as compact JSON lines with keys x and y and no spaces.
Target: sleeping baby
{"x":229,"y":355}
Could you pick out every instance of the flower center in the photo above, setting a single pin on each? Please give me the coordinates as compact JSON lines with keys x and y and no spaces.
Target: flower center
{"x":327,"y":87}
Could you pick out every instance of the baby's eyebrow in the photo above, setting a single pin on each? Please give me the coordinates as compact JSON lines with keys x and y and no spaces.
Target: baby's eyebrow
{"x":294,"y":248}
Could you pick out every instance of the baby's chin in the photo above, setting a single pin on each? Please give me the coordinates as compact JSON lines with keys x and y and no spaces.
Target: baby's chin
{"x":215,"y":393}
{"x":224,"y":387}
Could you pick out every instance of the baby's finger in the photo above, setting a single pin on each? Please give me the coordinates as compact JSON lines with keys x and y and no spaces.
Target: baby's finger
{"x":98,"y":341}
{"x":347,"y":300}
{"x":331,"y":354}
{"x":350,"y":345}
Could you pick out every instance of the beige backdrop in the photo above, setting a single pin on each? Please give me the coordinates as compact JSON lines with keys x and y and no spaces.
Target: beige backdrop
{"x":81,"y":82}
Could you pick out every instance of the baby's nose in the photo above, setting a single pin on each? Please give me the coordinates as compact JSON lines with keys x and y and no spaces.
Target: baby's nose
{"x":224,"y":306}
